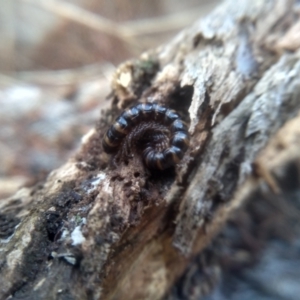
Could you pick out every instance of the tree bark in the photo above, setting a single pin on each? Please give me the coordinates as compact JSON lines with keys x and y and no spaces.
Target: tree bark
{"x":97,"y":231}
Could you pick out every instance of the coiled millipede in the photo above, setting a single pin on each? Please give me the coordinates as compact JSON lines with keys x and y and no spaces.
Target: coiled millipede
{"x":154,"y":130}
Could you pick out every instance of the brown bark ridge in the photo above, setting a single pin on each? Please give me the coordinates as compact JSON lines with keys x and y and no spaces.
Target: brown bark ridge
{"x":92,"y":230}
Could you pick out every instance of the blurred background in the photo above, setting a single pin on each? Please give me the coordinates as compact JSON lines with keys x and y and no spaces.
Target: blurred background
{"x":56,"y":61}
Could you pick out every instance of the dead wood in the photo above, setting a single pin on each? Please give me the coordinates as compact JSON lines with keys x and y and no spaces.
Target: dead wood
{"x":91,"y":231}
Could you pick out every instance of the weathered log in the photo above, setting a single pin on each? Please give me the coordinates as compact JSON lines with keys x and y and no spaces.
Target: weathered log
{"x":94,"y":230}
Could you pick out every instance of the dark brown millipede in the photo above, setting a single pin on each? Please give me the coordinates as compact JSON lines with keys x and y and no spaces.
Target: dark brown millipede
{"x":158,"y":132}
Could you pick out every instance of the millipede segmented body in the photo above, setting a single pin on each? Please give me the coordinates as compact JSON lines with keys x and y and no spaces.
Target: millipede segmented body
{"x":154,"y":130}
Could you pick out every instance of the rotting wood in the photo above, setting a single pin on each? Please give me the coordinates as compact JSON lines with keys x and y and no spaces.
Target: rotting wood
{"x":93,"y":232}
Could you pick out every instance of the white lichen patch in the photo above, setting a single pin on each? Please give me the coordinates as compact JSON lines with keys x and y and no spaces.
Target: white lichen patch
{"x":74,"y":235}
{"x":77,"y":236}
{"x":65,"y":234}
{"x":94,"y":182}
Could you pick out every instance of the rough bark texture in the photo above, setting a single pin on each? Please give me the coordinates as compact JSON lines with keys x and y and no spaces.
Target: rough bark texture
{"x":94,"y":231}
